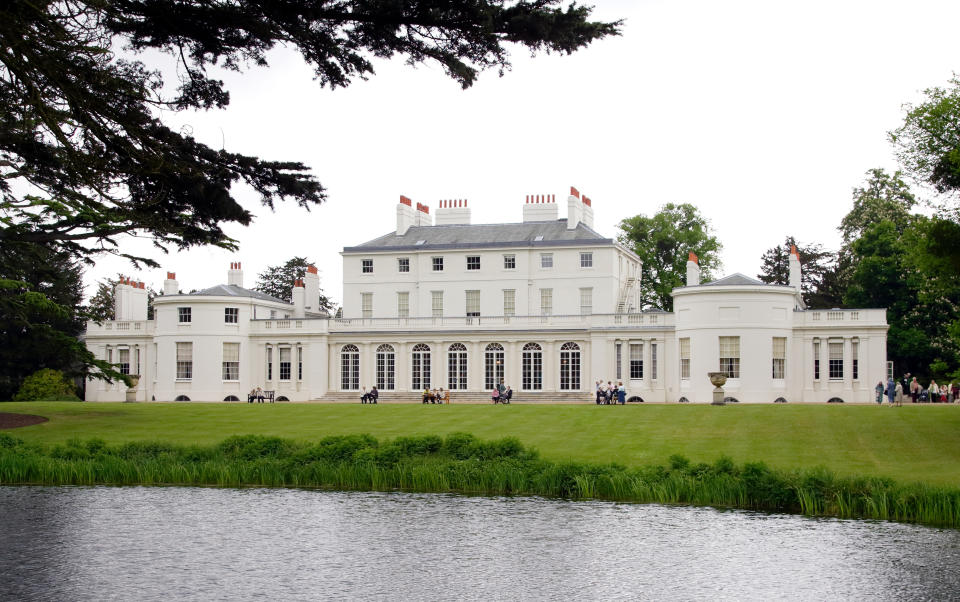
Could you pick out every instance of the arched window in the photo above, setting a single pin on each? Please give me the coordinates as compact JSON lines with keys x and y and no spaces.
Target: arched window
{"x":231,"y":398}
{"x":532,"y":368}
{"x":182,"y":398}
{"x":283,"y":398}
{"x":457,"y":366}
{"x":386,"y":368}
{"x":492,"y":365}
{"x":570,"y":367}
{"x":350,"y":368}
{"x":420,"y":367}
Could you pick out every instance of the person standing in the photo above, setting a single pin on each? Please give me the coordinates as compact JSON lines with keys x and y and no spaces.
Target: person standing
{"x":914,"y":389}
{"x":899,"y":395}
{"x":621,"y":393}
{"x":879,"y":392}
{"x":934,"y":392}
{"x":599,"y":391}
{"x":891,"y":390}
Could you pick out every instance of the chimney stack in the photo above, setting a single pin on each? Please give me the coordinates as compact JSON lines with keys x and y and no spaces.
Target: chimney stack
{"x":405,"y":215}
{"x":423,"y":215}
{"x":235,"y":274}
{"x":129,"y":300}
{"x":299,"y":299}
{"x":574,"y":209}
{"x":170,"y":285}
{"x":311,"y":284}
{"x":453,"y":212}
{"x":795,"y":275}
{"x":693,"y":269}
{"x":540,"y":208}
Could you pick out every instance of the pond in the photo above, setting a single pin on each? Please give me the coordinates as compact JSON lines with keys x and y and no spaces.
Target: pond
{"x":138,"y":543}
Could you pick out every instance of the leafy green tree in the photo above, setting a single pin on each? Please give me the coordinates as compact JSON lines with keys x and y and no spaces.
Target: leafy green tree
{"x":47,"y":385}
{"x":40,"y":291}
{"x":277,"y":281}
{"x":817,"y":266}
{"x":883,"y":197}
{"x":928,"y":142}
{"x":101,"y":305}
{"x":663,"y":242}
{"x":85,"y":156}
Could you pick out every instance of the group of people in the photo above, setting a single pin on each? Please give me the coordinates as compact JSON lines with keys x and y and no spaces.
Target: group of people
{"x":908,"y":386}
{"x":436,"y":396}
{"x":370,"y":396}
{"x":256,"y":394}
{"x":501,"y":393}
{"x":611,"y":394}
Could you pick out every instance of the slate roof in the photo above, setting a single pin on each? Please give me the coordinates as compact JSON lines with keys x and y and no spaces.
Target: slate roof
{"x":472,"y":236}
{"x":737,"y":279}
{"x":231,"y":290}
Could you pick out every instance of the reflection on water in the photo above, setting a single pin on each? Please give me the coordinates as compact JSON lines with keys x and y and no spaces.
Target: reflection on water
{"x":205,"y":544}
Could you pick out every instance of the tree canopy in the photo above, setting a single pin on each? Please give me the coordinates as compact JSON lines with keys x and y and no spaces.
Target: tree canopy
{"x":928,"y":142}
{"x":277,"y":281}
{"x":882,"y":198}
{"x":663,"y":242}
{"x":85,"y":156}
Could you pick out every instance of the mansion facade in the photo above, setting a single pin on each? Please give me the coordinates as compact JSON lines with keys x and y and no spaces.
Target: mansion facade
{"x":546,"y":305}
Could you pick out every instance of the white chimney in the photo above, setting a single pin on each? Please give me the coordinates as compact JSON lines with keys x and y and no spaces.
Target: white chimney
{"x":311,"y":284}
{"x":423,"y":216}
{"x":574,"y":209}
{"x":299,"y":299}
{"x":170,"y":285}
{"x":693,"y":269}
{"x":129,"y":300}
{"x":540,"y":208}
{"x":235,"y":274}
{"x":587,"y":212}
{"x":795,"y":278}
{"x":405,"y":215}
{"x":121,"y":299}
{"x":453,"y":212}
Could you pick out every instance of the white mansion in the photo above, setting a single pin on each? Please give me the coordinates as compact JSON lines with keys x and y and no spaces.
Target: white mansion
{"x":546,"y":305}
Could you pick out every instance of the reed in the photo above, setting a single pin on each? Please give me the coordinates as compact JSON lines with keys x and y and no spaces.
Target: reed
{"x":462,"y":463}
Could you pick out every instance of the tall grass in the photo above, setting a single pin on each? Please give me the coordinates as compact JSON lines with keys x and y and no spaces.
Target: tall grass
{"x":462,"y":463}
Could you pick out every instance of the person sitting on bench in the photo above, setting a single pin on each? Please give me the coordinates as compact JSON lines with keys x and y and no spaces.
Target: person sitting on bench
{"x":374,"y":395}
{"x":428,"y":395}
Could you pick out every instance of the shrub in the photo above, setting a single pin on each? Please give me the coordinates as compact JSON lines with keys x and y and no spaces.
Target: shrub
{"x":46,"y":385}
{"x":678,"y":462}
{"x":251,"y":447}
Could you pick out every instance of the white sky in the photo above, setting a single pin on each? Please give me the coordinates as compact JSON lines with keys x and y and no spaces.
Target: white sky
{"x":763,"y":114}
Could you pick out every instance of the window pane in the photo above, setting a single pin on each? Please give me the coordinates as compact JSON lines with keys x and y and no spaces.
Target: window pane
{"x":636,"y":361}
{"x":473,"y":303}
{"x":586,"y":260}
{"x":509,"y":262}
{"x":586,"y":301}
{"x":730,"y":356}
{"x":403,"y":305}
{"x":546,"y":301}
{"x":509,"y":302}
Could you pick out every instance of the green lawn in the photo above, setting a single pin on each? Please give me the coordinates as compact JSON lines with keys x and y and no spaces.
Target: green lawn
{"x":912,"y":443}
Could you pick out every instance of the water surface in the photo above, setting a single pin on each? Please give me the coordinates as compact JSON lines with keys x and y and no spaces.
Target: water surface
{"x":136,"y":543}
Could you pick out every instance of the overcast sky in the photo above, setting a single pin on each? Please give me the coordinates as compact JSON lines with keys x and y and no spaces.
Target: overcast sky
{"x":763,"y":114}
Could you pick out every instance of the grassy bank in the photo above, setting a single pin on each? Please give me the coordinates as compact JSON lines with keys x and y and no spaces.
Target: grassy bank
{"x":912,"y":443}
{"x":464,"y":464}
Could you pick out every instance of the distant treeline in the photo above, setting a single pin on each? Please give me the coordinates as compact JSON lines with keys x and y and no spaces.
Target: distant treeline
{"x":460,"y":463}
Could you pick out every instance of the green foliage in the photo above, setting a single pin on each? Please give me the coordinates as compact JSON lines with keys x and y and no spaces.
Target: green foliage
{"x":882,"y":198}
{"x":85,"y":156}
{"x":504,"y":467}
{"x":46,"y":385}
{"x":928,"y":142}
{"x":663,"y":243}
{"x":277,"y":281}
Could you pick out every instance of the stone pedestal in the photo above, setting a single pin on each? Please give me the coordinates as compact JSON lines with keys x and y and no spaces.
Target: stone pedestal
{"x":718,"y":397}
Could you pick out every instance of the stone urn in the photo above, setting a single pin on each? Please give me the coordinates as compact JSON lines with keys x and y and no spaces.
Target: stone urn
{"x":718,"y":379}
{"x":132,"y":389}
